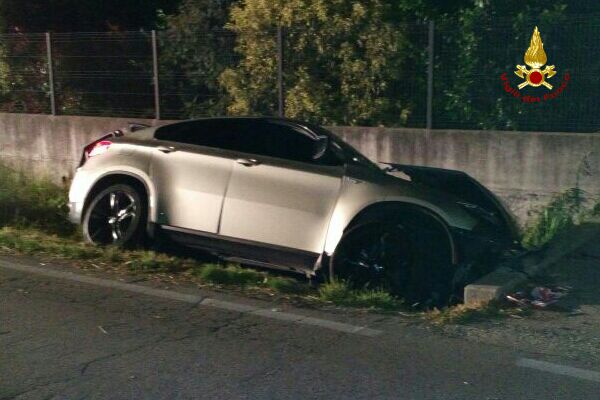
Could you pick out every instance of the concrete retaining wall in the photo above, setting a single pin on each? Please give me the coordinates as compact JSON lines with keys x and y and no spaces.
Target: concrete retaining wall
{"x":523,"y":168}
{"x":43,"y":145}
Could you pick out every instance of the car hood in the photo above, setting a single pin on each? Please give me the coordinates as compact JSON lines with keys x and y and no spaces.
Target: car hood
{"x":471,"y":194}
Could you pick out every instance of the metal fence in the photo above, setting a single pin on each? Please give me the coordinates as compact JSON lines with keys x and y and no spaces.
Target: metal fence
{"x":165,"y":75}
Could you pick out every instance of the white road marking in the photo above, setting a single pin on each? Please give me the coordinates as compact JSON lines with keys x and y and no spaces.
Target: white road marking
{"x":194,"y":299}
{"x":558,"y":369}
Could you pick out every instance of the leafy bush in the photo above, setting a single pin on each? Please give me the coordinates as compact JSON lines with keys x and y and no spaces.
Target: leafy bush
{"x":563,"y":211}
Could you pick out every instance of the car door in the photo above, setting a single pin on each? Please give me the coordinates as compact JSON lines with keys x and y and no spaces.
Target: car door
{"x":278,"y":195}
{"x":190,"y":175}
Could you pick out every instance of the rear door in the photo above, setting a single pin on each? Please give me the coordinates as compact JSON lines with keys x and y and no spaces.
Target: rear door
{"x":277,"y":194}
{"x":191,"y":175}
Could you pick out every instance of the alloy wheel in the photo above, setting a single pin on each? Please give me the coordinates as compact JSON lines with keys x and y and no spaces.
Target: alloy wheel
{"x":375,"y":257}
{"x":113,"y":218}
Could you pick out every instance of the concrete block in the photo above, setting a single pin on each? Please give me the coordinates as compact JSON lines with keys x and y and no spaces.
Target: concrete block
{"x":492,"y":286}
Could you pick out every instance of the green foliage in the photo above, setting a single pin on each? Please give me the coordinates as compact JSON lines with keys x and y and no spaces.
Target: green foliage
{"x":5,"y":82}
{"x":35,"y":242}
{"x":340,"y":293}
{"x":285,"y":285}
{"x":32,"y":202}
{"x":479,"y":43}
{"x":563,"y":211}
{"x":362,"y":63}
{"x":81,"y":15}
{"x":231,"y":275}
{"x":149,"y":261}
{"x":194,"y":52}
{"x":346,"y":61}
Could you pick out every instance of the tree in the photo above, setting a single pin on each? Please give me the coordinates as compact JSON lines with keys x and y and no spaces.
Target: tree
{"x":87,"y":67}
{"x":479,"y":43}
{"x":347,"y":62}
{"x":194,"y":50}
{"x":81,"y":15}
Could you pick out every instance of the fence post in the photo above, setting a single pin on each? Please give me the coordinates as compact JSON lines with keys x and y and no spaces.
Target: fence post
{"x":430,"y":76}
{"x":155,"y":80}
{"x":50,"y":73}
{"x":280,"y":86}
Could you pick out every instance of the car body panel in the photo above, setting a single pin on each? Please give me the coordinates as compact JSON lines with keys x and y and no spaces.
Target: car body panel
{"x":191,"y":184}
{"x":281,"y":202}
{"x":124,"y":158}
{"x":363,"y":189}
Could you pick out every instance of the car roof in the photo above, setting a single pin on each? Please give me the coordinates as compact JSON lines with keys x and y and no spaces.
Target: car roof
{"x":309,"y":128}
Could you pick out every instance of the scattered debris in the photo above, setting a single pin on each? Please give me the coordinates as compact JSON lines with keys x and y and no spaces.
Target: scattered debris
{"x":539,"y":296}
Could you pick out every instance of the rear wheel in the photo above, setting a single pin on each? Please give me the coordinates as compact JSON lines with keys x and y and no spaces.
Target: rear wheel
{"x":410,"y":261}
{"x":115,"y":216}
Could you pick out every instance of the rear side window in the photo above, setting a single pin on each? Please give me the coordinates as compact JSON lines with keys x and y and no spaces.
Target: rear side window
{"x":244,"y":135}
{"x":221,"y":134}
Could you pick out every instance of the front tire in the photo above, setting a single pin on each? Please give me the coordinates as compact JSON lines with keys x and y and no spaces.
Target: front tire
{"x":409,"y":260}
{"x":115,"y":216}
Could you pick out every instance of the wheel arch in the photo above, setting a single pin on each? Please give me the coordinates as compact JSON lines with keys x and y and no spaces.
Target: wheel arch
{"x":376,"y":212}
{"x":125,"y":177}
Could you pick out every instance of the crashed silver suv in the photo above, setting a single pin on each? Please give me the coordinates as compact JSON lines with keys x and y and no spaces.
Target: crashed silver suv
{"x":285,"y":194}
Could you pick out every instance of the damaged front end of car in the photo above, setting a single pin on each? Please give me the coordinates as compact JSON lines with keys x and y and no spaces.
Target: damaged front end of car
{"x":496,"y":234}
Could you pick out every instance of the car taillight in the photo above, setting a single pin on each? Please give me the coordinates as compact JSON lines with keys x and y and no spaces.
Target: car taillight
{"x":96,"y":148}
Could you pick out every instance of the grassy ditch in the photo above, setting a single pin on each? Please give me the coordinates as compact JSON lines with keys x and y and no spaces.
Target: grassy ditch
{"x":33,"y":221}
{"x":35,"y":242}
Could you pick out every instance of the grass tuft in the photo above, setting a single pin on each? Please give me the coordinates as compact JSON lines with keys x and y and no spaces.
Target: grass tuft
{"x":150,"y":261}
{"x":230,"y":275}
{"x":564,"y":211}
{"x":33,"y":203}
{"x":285,"y":285}
{"x":340,"y":293}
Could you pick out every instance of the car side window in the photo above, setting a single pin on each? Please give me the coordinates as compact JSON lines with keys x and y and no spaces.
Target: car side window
{"x":221,"y":134}
{"x":282,"y":141}
{"x":247,"y":136}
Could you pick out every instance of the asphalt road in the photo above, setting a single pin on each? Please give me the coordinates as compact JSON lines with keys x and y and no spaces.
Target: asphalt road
{"x":62,"y":339}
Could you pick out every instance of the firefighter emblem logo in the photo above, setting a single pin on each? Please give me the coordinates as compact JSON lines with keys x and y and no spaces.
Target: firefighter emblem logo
{"x":535,"y":58}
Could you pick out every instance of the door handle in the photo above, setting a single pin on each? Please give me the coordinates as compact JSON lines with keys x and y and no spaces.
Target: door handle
{"x":247,"y":162}
{"x":166,"y":149}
